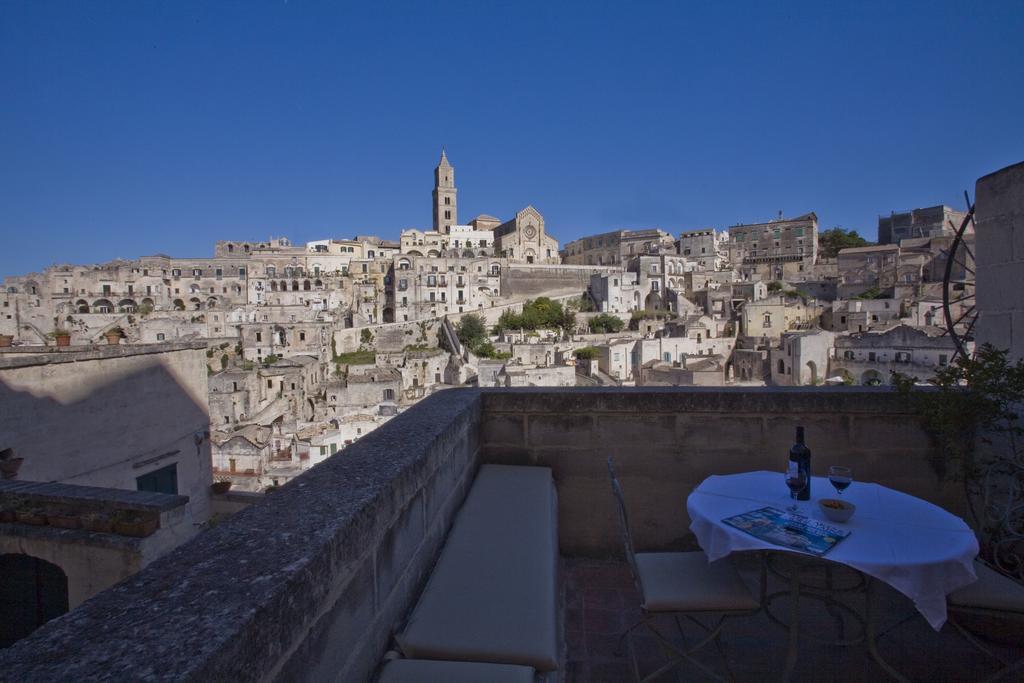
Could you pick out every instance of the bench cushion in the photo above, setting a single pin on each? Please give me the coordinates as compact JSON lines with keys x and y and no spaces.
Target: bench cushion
{"x":992,"y":591}
{"x":492,"y":595}
{"x":427,"y":671}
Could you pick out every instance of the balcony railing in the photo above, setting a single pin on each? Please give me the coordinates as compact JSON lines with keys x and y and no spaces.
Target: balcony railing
{"x":312,"y":582}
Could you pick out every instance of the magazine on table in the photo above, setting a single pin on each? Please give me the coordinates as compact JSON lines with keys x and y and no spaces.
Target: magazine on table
{"x":788,"y":530}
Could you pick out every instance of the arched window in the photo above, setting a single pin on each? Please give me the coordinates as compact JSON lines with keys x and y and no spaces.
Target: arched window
{"x":782,"y":367}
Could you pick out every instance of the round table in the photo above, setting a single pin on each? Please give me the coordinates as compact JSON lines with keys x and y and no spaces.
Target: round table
{"x":917,"y":548}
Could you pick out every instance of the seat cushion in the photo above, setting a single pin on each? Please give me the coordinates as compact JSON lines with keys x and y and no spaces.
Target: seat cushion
{"x":686,"y":582}
{"x":492,"y":596}
{"x":992,"y":591}
{"x":426,"y":671}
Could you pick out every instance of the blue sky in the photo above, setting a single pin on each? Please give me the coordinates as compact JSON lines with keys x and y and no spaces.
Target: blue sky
{"x":141,"y":127}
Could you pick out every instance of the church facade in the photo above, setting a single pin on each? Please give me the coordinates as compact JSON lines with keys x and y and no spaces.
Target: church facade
{"x":522,"y":239}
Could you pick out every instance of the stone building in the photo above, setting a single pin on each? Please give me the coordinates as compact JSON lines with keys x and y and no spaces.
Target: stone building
{"x":661,"y":282}
{"x":617,"y":292}
{"x":703,"y":248}
{"x":858,"y":315}
{"x":445,"y":205}
{"x":933,"y":221}
{"x":782,"y":249}
{"x":864,"y":268}
{"x":424,"y":287}
{"x":699,"y":371}
{"x":364,"y":388}
{"x":769,"y":318}
{"x":870,"y":357}
{"x":536,"y":376}
{"x":616,"y":247}
{"x":525,"y":239}
{"x":120,"y":432}
{"x":801,"y":358}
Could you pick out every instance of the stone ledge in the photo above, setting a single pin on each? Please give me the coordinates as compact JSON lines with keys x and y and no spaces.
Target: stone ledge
{"x":731,"y":400}
{"x":72,"y":536}
{"x":74,"y":494}
{"x":12,"y":357}
{"x":234,"y":602}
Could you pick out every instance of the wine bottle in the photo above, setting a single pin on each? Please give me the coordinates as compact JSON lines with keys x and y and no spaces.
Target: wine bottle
{"x":800,"y":455}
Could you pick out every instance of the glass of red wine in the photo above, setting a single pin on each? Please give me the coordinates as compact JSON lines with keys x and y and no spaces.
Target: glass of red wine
{"x":796,"y":480}
{"x":841,"y":478}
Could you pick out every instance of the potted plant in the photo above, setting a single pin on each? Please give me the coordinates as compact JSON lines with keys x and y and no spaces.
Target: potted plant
{"x":98,"y":521}
{"x":62,"y":518}
{"x":61,"y":337}
{"x":130,"y":523}
{"x":6,"y":340}
{"x":114,"y":335}
{"x":220,"y":487}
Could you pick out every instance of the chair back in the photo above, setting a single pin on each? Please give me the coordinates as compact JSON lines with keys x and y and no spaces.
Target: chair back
{"x":627,"y":537}
{"x":1002,"y":532}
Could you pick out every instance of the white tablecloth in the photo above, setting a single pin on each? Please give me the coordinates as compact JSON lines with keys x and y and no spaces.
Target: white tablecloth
{"x":916,"y":547}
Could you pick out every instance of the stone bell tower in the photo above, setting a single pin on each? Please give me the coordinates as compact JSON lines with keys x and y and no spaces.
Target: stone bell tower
{"x":445,"y":213}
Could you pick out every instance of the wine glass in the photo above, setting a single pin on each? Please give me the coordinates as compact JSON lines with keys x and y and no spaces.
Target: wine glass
{"x":841,"y":478}
{"x":796,"y":480}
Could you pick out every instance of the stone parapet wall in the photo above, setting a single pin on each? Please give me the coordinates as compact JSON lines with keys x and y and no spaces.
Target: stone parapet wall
{"x":307,"y":585}
{"x":665,"y":441}
{"x":999,"y":235}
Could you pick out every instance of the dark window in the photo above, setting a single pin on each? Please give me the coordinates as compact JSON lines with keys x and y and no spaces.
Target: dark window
{"x":163,"y":480}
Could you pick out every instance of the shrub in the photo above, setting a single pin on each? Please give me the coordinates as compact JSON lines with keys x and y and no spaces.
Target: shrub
{"x":471,"y":330}
{"x":606,"y":323}
{"x":586,"y":353}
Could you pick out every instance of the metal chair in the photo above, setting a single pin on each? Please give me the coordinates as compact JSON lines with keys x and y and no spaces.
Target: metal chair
{"x":999,"y":591}
{"x":681,"y":585}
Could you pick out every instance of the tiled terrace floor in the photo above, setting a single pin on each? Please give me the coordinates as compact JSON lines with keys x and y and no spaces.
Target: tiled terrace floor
{"x":601,"y":603}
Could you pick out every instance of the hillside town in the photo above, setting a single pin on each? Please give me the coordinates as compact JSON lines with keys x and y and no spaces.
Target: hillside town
{"x":309,"y":347}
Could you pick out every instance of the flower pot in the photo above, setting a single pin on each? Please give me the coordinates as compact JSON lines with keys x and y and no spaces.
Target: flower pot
{"x":221,"y":486}
{"x":113,"y":338}
{"x":139,"y":528}
{"x":32,"y":517}
{"x":98,"y":523}
{"x":63,"y":521}
{"x":5,"y":340}
{"x":62,"y":339}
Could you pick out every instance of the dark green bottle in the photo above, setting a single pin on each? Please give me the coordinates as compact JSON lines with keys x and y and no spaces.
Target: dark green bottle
{"x":801,"y":455}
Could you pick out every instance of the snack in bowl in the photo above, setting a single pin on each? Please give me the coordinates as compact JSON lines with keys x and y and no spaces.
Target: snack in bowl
{"x":837,"y":510}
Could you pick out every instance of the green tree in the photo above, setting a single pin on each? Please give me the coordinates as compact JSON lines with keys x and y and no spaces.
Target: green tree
{"x":507,"y":321}
{"x":471,"y":329}
{"x":586,"y":353}
{"x":365,"y":338}
{"x":832,"y":240}
{"x":605,"y":323}
{"x":977,"y":400}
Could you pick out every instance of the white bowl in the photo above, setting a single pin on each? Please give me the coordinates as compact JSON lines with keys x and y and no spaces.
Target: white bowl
{"x":841,"y":513}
